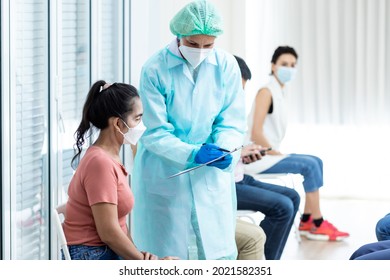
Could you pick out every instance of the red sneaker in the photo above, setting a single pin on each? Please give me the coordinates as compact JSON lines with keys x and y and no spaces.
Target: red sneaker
{"x":305,"y":227}
{"x":326,"y":231}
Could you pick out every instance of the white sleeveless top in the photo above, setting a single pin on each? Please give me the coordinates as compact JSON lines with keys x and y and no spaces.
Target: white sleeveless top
{"x":275,"y":125}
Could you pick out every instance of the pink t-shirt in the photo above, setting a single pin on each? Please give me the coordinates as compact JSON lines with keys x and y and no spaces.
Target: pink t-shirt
{"x":98,"y":178}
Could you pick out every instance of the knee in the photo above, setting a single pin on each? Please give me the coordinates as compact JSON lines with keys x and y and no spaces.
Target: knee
{"x":314,"y":163}
{"x":286,"y":208}
{"x":257,"y":237}
{"x":318,"y":160}
{"x":249,"y":234}
{"x":250,"y":242}
{"x":382,"y":228}
{"x":256,"y":241}
{"x":296,"y":199}
{"x":363,"y":250}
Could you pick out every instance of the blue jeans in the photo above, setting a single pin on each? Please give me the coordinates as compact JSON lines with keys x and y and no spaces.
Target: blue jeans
{"x":310,"y":167}
{"x":83,"y":252}
{"x":382,"y":229}
{"x":373,"y":251}
{"x":278,"y":204}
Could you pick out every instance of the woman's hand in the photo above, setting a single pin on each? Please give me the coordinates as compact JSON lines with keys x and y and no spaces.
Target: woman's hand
{"x":251,"y":153}
{"x":149,"y":256}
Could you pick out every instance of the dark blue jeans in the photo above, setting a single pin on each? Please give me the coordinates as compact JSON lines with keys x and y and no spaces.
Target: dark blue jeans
{"x":278,"y":204}
{"x":83,"y":252}
{"x":382,"y":228}
{"x":373,"y":251}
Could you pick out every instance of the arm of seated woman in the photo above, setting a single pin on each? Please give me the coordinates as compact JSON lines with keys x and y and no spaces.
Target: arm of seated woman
{"x":110,"y":232}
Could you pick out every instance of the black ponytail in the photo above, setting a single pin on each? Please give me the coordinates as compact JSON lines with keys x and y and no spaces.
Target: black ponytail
{"x":102,"y":103}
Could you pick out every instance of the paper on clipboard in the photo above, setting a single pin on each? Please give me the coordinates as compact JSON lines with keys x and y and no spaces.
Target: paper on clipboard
{"x":206,"y":163}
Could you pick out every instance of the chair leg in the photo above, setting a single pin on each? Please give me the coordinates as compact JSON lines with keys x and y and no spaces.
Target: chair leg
{"x":296,"y":223}
{"x":296,"y":231}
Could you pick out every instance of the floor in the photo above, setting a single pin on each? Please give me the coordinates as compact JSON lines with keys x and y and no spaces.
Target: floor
{"x":358,"y":217}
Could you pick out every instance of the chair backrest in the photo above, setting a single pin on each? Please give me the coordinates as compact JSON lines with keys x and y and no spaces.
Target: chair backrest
{"x":60,"y":210}
{"x":241,"y":214}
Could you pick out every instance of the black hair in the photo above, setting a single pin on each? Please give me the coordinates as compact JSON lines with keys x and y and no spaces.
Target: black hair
{"x":283,"y":50}
{"x":245,"y":71}
{"x":117,"y":100}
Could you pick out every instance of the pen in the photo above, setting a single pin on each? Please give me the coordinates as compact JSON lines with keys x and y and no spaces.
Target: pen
{"x":221,"y":149}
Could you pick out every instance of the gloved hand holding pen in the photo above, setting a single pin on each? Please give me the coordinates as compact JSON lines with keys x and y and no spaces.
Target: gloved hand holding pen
{"x":209,"y":152}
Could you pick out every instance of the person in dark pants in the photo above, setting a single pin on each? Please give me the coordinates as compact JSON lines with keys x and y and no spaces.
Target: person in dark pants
{"x":278,"y":204}
{"x":382,"y":229}
{"x":377,"y":250}
{"x":373,"y":251}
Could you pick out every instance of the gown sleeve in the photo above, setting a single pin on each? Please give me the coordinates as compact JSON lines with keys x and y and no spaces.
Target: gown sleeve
{"x":159,"y":137}
{"x":230,"y":125}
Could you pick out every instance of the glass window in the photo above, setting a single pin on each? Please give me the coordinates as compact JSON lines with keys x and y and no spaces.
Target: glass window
{"x":107,"y":43}
{"x":29,"y":158}
{"x":41,"y":87}
{"x":109,"y":40}
{"x":75,"y":75}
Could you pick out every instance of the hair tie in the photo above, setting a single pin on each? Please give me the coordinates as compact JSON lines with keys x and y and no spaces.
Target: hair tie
{"x":106,"y":86}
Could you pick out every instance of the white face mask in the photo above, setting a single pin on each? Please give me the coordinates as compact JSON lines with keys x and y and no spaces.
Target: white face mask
{"x":133,"y":134}
{"x":194,"y":56}
{"x":286,"y":74}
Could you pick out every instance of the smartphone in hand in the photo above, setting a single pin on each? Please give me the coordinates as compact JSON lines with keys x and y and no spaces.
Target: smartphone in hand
{"x":263,"y":152}
{"x":255,"y":156}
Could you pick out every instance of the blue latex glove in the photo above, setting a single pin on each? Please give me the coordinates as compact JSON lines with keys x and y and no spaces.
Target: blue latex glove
{"x":223,"y":162}
{"x":207,"y":152}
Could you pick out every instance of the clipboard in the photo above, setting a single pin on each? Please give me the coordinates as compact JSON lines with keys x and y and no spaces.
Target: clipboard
{"x":206,"y":163}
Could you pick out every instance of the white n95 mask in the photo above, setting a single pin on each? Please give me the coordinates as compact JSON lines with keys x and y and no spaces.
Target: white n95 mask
{"x":133,"y":134}
{"x":194,"y":56}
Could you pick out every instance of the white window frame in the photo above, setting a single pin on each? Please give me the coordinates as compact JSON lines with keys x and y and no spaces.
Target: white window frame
{"x":55,"y":98}
{"x":5,"y":131}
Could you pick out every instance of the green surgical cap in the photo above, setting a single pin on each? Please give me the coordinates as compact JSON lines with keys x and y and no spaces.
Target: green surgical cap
{"x":198,"y":17}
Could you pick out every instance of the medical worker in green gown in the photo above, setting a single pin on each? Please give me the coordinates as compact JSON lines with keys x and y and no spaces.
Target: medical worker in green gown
{"x":194,"y":108}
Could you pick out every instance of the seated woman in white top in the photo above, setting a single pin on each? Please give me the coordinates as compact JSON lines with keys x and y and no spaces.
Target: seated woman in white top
{"x":267,"y":127}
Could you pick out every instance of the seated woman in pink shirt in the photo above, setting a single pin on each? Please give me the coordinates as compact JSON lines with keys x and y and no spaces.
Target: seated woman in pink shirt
{"x":100,"y":197}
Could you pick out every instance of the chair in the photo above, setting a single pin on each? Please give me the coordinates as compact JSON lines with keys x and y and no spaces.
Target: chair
{"x":60,"y":210}
{"x":241,"y":214}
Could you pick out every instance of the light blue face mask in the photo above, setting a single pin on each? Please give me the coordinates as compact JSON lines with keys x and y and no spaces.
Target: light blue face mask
{"x":286,"y":74}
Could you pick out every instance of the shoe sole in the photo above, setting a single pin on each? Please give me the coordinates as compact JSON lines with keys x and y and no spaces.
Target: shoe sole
{"x":324,"y":237}
{"x":304,"y":233}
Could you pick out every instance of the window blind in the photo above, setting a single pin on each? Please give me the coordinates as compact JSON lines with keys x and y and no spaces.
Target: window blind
{"x":75,"y":74}
{"x":31,"y":76}
{"x":110,"y":40}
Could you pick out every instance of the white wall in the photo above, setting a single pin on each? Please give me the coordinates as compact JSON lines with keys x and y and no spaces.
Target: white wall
{"x":337,"y":100}
{"x":355,"y":157}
